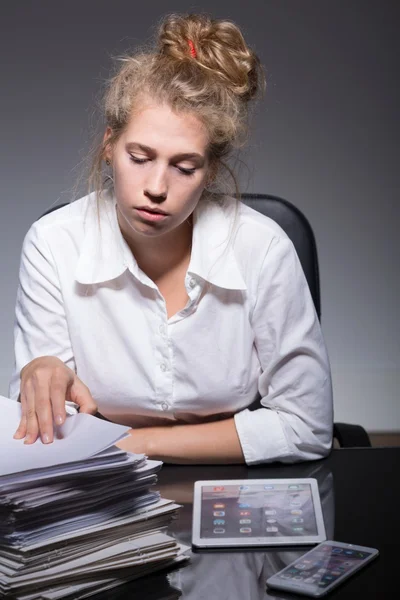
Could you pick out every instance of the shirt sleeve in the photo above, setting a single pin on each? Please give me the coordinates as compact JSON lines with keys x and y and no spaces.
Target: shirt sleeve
{"x":296,"y":419}
{"x":40,"y":325}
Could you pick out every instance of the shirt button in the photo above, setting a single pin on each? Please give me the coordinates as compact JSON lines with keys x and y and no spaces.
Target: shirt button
{"x":163,"y":367}
{"x":192,"y":282}
{"x":162,"y":329}
{"x":164,"y":406}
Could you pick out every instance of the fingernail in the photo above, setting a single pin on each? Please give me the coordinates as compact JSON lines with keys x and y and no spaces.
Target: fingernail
{"x":45,"y":438}
{"x":59,"y":420}
{"x":27,"y":439}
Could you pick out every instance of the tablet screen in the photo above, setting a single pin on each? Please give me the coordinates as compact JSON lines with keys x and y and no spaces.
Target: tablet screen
{"x":269,"y":512}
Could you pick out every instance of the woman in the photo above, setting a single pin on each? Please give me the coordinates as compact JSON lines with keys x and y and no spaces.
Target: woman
{"x":160,"y":302}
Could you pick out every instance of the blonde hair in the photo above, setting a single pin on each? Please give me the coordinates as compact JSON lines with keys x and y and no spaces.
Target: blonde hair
{"x":198,"y":65}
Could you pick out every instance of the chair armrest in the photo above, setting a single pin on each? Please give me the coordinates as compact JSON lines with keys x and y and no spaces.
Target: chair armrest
{"x":350,"y":436}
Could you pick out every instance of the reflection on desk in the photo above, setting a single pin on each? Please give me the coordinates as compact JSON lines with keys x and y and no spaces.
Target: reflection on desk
{"x":240,"y":574}
{"x":358,"y":492}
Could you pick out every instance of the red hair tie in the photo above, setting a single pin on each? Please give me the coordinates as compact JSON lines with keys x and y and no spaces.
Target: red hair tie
{"x":193,"y":52}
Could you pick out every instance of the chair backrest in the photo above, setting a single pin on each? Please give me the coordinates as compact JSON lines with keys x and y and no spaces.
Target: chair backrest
{"x":299,"y":230}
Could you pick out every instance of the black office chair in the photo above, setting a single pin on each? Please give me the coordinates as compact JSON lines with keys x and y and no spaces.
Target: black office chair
{"x":299,"y":230}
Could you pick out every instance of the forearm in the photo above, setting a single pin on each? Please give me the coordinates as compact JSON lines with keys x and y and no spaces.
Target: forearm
{"x":207,"y":443}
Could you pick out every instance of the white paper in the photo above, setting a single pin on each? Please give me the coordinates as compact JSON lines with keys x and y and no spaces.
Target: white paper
{"x":78,"y":438}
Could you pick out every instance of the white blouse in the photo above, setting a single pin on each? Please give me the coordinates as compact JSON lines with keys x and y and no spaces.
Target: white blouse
{"x":248,"y":331}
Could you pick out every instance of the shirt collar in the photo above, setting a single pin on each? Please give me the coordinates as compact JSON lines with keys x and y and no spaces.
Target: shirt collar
{"x":105,"y":255}
{"x":212,"y":257}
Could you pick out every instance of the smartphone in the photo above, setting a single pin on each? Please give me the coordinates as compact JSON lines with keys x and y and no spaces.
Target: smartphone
{"x":322,"y":569}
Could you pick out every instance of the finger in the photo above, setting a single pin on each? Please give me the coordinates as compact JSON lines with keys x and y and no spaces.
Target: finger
{"x":44,"y":412}
{"x":58,"y":393}
{"x":32,"y":424}
{"x":21,"y":431}
{"x":80,"y":394}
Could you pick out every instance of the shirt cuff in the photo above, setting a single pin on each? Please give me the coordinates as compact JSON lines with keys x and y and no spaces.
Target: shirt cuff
{"x":261,"y":436}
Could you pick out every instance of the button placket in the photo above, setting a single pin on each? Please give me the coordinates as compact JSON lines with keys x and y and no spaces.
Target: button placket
{"x":163,"y":376}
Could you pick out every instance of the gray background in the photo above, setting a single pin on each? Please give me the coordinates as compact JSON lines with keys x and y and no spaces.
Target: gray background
{"x":324,"y":137}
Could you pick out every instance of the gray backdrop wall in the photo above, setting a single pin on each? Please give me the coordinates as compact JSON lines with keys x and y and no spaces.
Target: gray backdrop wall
{"x":325,"y":137}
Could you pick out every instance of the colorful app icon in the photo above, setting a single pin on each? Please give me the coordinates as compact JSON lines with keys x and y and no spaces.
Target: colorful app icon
{"x":219,"y":505}
{"x":219,"y":530}
{"x":245,"y":521}
{"x":270,"y":512}
{"x":268,"y":487}
{"x":245,"y":530}
{"x":271,"y":520}
{"x":272,"y":529}
{"x":244,"y":505}
{"x":218,"y":488}
{"x":296,"y":511}
{"x":219,"y":522}
{"x":297,"y":520}
{"x":337,"y":550}
{"x":244,"y":487}
{"x":244,"y":513}
{"x":219,"y":513}
{"x":295,"y":502}
{"x":298,"y":529}
{"x":293,"y":487}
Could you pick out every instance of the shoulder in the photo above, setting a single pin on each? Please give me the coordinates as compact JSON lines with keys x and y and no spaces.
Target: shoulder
{"x":260,"y":245}
{"x":253,"y":221}
{"x":65,"y":222}
{"x":251,"y":232}
{"x":66,"y":215}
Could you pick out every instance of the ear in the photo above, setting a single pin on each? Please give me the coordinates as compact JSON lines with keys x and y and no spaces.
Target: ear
{"x":107,"y":146}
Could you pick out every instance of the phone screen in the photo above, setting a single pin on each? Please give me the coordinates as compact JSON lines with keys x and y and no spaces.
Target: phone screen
{"x":323,"y":566}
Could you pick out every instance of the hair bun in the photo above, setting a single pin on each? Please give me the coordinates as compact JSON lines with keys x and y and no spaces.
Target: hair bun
{"x":217,"y":46}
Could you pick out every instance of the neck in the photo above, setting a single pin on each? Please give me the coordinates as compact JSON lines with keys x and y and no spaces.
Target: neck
{"x":162,"y":254}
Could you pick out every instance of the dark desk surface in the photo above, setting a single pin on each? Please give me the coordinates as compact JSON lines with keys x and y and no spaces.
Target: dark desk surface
{"x":358,"y":489}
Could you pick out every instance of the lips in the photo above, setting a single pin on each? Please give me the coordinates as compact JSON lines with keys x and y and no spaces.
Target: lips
{"x":150,"y":214}
{"x":156,"y":211}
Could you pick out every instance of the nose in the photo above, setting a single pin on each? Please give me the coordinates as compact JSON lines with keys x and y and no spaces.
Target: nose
{"x":156,"y":184}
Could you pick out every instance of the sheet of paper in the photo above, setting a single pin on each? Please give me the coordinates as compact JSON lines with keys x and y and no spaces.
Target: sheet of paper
{"x":141,"y":549}
{"x":146,"y":513}
{"x":80,"y":437}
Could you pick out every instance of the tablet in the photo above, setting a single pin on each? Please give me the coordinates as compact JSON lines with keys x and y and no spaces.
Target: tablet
{"x":257,"y":512}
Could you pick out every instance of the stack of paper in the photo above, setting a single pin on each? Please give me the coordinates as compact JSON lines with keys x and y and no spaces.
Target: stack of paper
{"x":78,"y":515}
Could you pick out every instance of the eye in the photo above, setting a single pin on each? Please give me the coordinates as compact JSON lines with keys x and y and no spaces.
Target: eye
{"x":138,"y":161}
{"x":186,"y":171}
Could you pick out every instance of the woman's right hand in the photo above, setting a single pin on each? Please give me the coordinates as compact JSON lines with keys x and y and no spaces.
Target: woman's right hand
{"x":46,"y":383}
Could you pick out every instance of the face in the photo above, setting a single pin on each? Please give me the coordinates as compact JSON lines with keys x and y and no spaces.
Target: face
{"x":160,"y":169}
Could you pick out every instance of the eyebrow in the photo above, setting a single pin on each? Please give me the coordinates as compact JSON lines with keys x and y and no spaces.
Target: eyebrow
{"x":179,"y":156}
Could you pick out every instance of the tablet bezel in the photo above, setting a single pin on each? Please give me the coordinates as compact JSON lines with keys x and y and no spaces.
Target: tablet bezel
{"x":257,"y":541}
